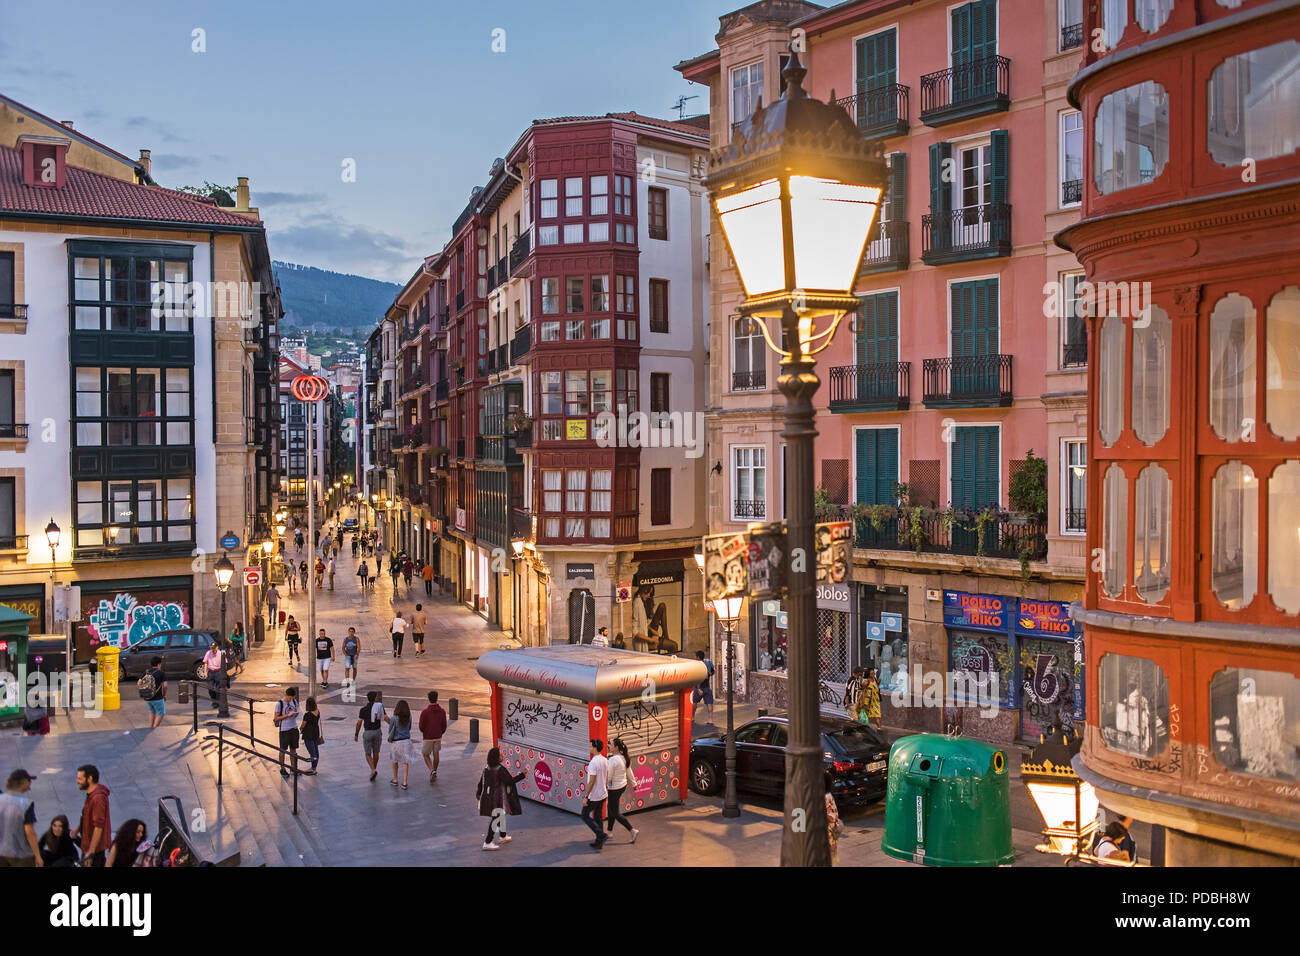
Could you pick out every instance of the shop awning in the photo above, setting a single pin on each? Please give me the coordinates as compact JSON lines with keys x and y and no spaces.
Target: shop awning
{"x":583,"y":672}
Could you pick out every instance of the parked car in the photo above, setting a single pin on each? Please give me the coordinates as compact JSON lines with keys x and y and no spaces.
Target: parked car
{"x":349,"y":524}
{"x":857,"y":759}
{"x":182,"y":651}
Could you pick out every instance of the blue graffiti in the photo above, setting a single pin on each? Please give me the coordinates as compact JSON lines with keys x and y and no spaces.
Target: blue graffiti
{"x":125,"y":621}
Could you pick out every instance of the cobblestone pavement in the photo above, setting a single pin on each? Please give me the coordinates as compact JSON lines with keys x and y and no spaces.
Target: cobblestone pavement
{"x":359,"y":822}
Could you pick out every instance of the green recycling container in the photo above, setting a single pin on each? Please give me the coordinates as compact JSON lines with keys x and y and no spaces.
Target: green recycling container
{"x":948,"y":802}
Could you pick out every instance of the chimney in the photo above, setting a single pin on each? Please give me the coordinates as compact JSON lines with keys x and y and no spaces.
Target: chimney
{"x":67,"y":123}
{"x":144,"y":162}
{"x":241,"y":195}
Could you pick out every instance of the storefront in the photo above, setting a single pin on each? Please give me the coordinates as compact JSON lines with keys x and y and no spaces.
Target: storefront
{"x":547,"y":703}
{"x":13,"y":662}
{"x":119,"y":613}
{"x":1022,"y":656}
{"x":452,"y":564}
{"x":883,"y":635}
{"x":655,"y":618}
{"x":837,"y":654}
{"x":29,"y":599}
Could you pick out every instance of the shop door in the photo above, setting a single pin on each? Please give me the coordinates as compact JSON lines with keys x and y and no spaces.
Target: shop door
{"x":582,"y":616}
{"x":1046,"y":686}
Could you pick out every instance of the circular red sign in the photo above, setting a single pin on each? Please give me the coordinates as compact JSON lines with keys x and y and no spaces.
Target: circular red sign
{"x":310,"y":388}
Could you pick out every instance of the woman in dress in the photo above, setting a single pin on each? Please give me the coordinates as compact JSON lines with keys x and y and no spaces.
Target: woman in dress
{"x":399,"y":735}
{"x":497,"y":799}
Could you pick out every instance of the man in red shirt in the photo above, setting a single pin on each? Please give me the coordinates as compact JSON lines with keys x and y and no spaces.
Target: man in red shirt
{"x":433,"y":724}
{"x":96,"y":830}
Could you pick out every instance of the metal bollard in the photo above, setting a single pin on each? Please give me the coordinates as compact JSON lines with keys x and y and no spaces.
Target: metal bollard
{"x":453,"y":709}
{"x":473,"y":730}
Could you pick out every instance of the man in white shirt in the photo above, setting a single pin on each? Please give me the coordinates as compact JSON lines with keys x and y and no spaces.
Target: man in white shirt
{"x":602,"y":637}
{"x":593,"y":803}
{"x":398,"y":629}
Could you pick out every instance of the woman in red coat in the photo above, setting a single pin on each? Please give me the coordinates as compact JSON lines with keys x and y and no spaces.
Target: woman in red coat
{"x":497,"y":797}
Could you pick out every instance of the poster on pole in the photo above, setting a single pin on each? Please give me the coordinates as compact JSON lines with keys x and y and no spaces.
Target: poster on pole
{"x":724,"y":565}
{"x":831,"y":542}
{"x":765,"y":560}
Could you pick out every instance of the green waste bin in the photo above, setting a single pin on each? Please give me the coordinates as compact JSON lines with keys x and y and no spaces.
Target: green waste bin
{"x":948,"y":802}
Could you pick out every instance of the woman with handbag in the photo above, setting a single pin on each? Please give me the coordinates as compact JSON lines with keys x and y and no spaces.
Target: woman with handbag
{"x":497,"y":797}
{"x":399,"y":735}
{"x":311,"y":735}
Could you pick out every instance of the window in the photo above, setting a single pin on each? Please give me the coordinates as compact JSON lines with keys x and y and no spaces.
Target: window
{"x":1071,"y":171}
{"x":1251,"y":712}
{"x":550,"y":297}
{"x":572,"y":233}
{"x":550,"y":203}
{"x":548,"y":235}
{"x":1114,"y":18}
{"x":600,"y":195}
{"x":598,"y":232}
{"x":1152,"y":14}
{"x":877,"y":72}
{"x":145,"y":511}
{"x":7,"y":406}
{"x":1110,"y":403}
{"x":575,"y":498}
{"x":575,"y":294}
{"x":749,"y":488}
{"x":602,"y":485}
{"x":1232,"y":367}
{"x":658,"y":305}
{"x":658,"y":392}
{"x":1284,"y":537}
{"x":144,"y":290}
{"x":7,"y":286}
{"x":1151,"y":534}
{"x":550,"y":331}
{"x":746,"y":91}
{"x":1114,"y":533}
{"x":600,"y":293}
{"x":1282,"y":356}
{"x":974,"y":186}
{"x":573,"y":196}
{"x":8,"y":513}
{"x":1075,"y":487}
{"x":124,"y":406}
{"x":658,"y":201}
{"x":575,"y":330}
{"x":552,"y":497}
{"x":748,"y":355}
{"x":624,"y":294}
{"x":1132,"y":137}
{"x":1251,"y":102}
{"x":661,"y":490}
{"x":1134,"y":699}
{"x":623,"y":196}
{"x":1151,"y":360}
{"x":602,"y":387}
{"x":575,"y":392}
{"x":552,"y":393}
{"x":1074,"y":330}
{"x":625,"y":389}
{"x":1234,"y":515}
{"x":875,"y":466}
{"x":1071,"y":12}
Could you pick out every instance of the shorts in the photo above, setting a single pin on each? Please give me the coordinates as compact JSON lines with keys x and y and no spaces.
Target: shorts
{"x":431,"y":747}
{"x":370,"y":742}
{"x":323,"y":665}
{"x":157,"y":707}
{"x":289,"y":739}
{"x":419,"y":637}
{"x":707,"y":693}
{"x":350,"y":661}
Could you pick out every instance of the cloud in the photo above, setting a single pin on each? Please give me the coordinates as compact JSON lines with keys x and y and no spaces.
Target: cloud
{"x":163,"y":130}
{"x":286,"y":199}
{"x":174,"y":161}
{"x":329,"y":241}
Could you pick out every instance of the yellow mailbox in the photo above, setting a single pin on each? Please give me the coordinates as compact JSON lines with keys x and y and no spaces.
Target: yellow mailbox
{"x":106,"y":659}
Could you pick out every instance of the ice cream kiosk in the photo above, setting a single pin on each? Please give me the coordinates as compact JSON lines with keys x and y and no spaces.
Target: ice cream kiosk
{"x":549,"y":702}
{"x":13,"y":663}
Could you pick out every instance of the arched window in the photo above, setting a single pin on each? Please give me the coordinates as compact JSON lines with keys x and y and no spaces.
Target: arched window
{"x":1114,"y":531}
{"x":1232,"y":368}
{"x":1151,"y":533}
{"x":1282,"y":358}
{"x":1110,"y":375}
{"x":1234,"y":543}
{"x":1131,"y":135}
{"x":1133,"y":694}
{"x":1284,"y":537}
{"x":1151,"y":360}
{"x":1152,"y":14}
{"x":1250,"y":102}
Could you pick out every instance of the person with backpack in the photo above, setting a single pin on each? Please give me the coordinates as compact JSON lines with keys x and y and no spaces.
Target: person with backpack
{"x":704,"y":692}
{"x":371,"y":720}
{"x":497,"y":798}
{"x":286,"y":719}
{"x":152,"y":686}
{"x":293,"y":638}
{"x":351,"y":652}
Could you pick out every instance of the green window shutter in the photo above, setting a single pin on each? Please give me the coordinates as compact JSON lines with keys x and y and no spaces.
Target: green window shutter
{"x":963,"y":319}
{"x":961,"y":35}
{"x":962,"y":466}
{"x":886,"y":465}
{"x":877,"y":341}
{"x":865,"y":452}
{"x":940,"y":196}
{"x":983,"y":29}
{"x":1000,"y":141}
{"x":898,"y":186}
{"x":975,"y":475}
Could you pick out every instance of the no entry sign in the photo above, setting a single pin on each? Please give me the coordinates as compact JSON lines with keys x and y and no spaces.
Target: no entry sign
{"x":252,"y":577}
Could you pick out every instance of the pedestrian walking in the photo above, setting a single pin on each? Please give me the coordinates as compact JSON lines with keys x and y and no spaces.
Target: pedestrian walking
{"x":298,"y":540}
{"x":292,"y":639}
{"x":319,"y":573}
{"x":57,"y":848}
{"x":426,"y":572}
{"x":18,"y":844}
{"x":703,"y":693}
{"x":408,"y":569}
{"x":620,"y":778}
{"x":398,"y":629}
{"x":370,"y":719}
{"x":433,"y":724}
{"x":292,"y":578}
{"x":329,"y":569}
{"x":497,"y":799}
{"x":399,"y":735}
{"x":215,"y":662}
{"x":394,"y":569}
{"x":237,"y":639}
{"x":152,"y":686}
{"x":302,"y":575}
{"x":419,"y":621}
{"x":312,"y":737}
{"x":363,"y":573}
{"x":286,"y":719}
{"x":351,"y":652}
{"x":869,"y":711}
{"x":272,"y":604}
{"x":593,"y":801}
{"x":96,"y":829}
{"x":36,"y":718}
{"x":355,"y":546}
{"x":132,"y":835}
{"x":324,"y":657}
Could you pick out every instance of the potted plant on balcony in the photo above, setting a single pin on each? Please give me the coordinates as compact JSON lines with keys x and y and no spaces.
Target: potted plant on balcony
{"x":518,"y":421}
{"x":1028,"y":490}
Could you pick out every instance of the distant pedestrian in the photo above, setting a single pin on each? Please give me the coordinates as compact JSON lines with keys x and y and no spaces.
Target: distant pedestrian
{"x":96,"y":829}
{"x":57,"y":847}
{"x":351,"y":653}
{"x":319,"y":573}
{"x":398,"y":630}
{"x":302,"y":575}
{"x":419,"y":621}
{"x":433,"y":724}
{"x":286,"y":719}
{"x":497,"y":799}
{"x":338,"y":538}
{"x":272,"y":604}
{"x":329,"y":569}
{"x":292,"y":639}
{"x":311,"y":735}
{"x":703,"y":692}
{"x":408,"y":569}
{"x":370,"y":719}
{"x":324,"y":657}
{"x":355,"y":546}
{"x":237,"y":639}
{"x":363,"y":573}
{"x":833,"y":825}
{"x":869,"y":712}
{"x":215,"y":662}
{"x":620,"y":778}
{"x":394,"y":569}
{"x":152,"y":686}
{"x":399,"y":735}
{"x":132,"y":835}
{"x":593,"y":800}
{"x":18,"y":844}
{"x":292,"y":578}
{"x":602,"y":637}
{"x":426,"y":572}
{"x":297,"y":539}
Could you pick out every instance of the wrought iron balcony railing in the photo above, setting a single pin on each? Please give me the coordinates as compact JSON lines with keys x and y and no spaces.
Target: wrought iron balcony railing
{"x":888,"y":249}
{"x":1071,"y":36}
{"x":961,"y":92}
{"x":864,"y":388}
{"x":970,"y":381}
{"x":879,"y":112}
{"x":1074,"y":354}
{"x":975,"y":232}
{"x":749,"y":508}
{"x":749,"y":381}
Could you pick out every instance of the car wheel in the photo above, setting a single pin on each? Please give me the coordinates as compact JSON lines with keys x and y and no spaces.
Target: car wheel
{"x":200,"y":671}
{"x":704,"y":779}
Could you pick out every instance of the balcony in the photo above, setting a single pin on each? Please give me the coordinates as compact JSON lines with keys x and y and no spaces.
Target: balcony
{"x":1075,"y":354}
{"x":962,"y":92}
{"x":881,"y":112}
{"x":523,"y":438}
{"x":14,"y":430}
{"x":888,"y":251}
{"x":1071,"y":191}
{"x":519,"y":252}
{"x":13,"y":310}
{"x":413,"y":380}
{"x":503,"y":270}
{"x":520,"y":344}
{"x":1000,"y":535}
{"x":503,"y":355}
{"x":754,"y":380}
{"x":747,"y":509}
{"x":460,"y":300}
{"x":460,"y":448}
{"x":1071,"y":36}
{"x":492,"y":277}
{"x":973,"y":381}
{"x":871,"y":388}
{"x":976,"y":232}
{"x":444,"y":317}
{"x":13,"y":542}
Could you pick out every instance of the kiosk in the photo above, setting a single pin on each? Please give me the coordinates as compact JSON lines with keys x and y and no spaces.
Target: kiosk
{"x":13,"y":663}
{"x":549,"y":702}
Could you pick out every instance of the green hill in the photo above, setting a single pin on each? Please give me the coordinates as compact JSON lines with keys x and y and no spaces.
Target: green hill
{"x":323,"y":300}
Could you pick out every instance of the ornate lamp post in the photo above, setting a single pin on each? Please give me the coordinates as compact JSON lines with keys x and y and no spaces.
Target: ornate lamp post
{"x":796,"y":192}
{"x":517,"y":545}
{"x":728,"y":611}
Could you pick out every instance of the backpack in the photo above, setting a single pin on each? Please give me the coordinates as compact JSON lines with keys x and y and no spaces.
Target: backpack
{"x":147,"y":685}
{"x":350,"y":647}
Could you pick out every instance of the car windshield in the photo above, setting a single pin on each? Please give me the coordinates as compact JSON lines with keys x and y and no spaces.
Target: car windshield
{"x":856,"y":738}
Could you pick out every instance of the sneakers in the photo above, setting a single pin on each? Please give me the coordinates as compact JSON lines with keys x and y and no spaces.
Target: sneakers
{"x":507,"y":838}
{"x":634,"y":833}
{"x":491,"y":846}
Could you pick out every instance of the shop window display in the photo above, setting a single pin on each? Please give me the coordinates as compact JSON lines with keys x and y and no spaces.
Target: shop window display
{"x":1134,"y":699}
{"x":1255,"y":722}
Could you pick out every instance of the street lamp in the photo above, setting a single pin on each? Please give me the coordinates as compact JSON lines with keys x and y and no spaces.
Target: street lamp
{"x":52,"y":535}
{"x":1067,"y":803}
{"x":224,"y":571}
{"x":796,"y":193}
{"x":111,"y":533}
{"x":517,"y":545}
{"x":728,"y":611}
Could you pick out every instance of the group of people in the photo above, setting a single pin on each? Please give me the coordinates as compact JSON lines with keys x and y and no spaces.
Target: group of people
{"x":862,"y":697}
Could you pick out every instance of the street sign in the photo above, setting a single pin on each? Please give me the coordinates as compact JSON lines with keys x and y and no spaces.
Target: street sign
{"x":67,"y":603}
{"x":252,"y":577}
{"x":624,"y":593}
{"x":230,"y":541}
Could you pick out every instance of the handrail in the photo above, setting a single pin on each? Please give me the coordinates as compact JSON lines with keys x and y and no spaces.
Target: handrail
{"x":220,"y":738}
{"x":226,"y":692}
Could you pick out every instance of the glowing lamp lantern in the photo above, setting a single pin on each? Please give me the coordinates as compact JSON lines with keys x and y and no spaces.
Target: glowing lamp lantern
{"x":52,"y":534}
{"x":518,"y":546}
{"x":223,"y":572}
{"x":1067,"y":803}
{"x":268,"y":546}
{"x":728,"y":608}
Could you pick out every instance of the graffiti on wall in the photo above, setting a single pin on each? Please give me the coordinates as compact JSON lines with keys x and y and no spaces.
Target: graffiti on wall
{"x":124,"y":620}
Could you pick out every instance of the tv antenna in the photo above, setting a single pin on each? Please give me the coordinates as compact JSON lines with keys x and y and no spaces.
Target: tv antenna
{"x":681,"y":105}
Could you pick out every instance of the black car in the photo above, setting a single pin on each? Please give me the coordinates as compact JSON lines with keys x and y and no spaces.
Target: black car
{"x":182,"y":652}
{"x":857,"y":759}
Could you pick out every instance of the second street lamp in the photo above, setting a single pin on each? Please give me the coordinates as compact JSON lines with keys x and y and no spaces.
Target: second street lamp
{"x":224,"y":571}
{"x":796,"y":191}
{"x":728,"y":611}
